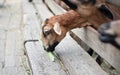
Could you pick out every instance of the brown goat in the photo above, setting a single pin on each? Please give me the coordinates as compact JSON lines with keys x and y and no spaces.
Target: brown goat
{"x":110,"y":33}
{"x":55,"y":28}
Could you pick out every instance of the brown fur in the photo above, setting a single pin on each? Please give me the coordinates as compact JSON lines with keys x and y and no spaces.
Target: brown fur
{"x":70,"y":20}
{"x":67,"y":21}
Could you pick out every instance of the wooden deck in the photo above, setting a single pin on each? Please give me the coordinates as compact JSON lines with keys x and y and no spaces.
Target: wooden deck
{"x":73,"y":60}
{"x":12,"y":58}
{"x":21,"y":21}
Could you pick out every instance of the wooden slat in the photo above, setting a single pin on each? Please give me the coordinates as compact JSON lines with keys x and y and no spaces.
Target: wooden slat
{"x":43,"y":11}
{"x":2,"y":45}
{"x":13,"y":50}
{"x":77,"y":61}
{"x":38,"y":1}
{"x":1,"y":68}
{"x":11,"y":58}
{"x":1,"y":1}
{"x":2,"y":49}
{"x":28,"y":7}
{"x":108,"y":52}
{"x":12,"y":71}
{"x":40,"y":62}
{"x":55,"y":7}
{"x":31,"y":26}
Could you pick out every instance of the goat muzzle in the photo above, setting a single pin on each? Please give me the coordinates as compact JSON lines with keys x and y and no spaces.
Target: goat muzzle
{"x":51,"y":48}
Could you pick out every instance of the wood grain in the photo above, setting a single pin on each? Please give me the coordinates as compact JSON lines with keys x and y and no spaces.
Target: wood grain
{"x":55,"y":8}
{"x":107,"y":51}
{"x":43,"y":11}
{"x":77,"y":61}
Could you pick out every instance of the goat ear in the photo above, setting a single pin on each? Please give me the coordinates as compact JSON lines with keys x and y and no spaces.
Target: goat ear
{"x":57,"y":28}
{"x":106,"y":11}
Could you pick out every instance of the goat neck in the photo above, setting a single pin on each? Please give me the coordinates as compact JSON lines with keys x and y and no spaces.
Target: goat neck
{"x":69,"y":20}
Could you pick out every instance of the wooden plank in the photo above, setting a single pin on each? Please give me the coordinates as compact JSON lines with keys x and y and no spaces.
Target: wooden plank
{"x":28,"y":7}
{"x":12,"y":54}
{"x":43,"y":11}
{"x":13,"y":51}
{"x":1,"y":65}
{"x":108,"y":52}
{"x":38,"y":1}
{"x":4,"y":17}
{"x":2,"y":45}
{"x":77,"y":61}
{"x":55,"y":7}
{"x":31,"y":26}
{"x":9,"y":71}
{"x":40,"y":62}
{"x":16,"y":16}
{"x":1,"y":2}
{"x":12,"y":71}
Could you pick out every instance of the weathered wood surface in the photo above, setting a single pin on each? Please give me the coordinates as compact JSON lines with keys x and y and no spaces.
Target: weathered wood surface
{"x":2,"y":47}
{"x":43,"y":11}
{"x":107,"y":51}
{"x":27,"y":8}
{"x":55,"y":7}
{"x":37,"y":1}
{"x":11,"y":48}
{"x":2,"y":2}
{"x":1,"y":68}
{"x":69,"y":69}
{"x":77,"y":61}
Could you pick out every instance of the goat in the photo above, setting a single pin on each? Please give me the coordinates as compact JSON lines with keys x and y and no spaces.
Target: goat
{"x":55,"y":28}
{"x":88,"y":13}
{"x":110,"y":33}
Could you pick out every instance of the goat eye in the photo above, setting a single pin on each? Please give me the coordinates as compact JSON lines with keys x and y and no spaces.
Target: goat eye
{"x":47,"y":32}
